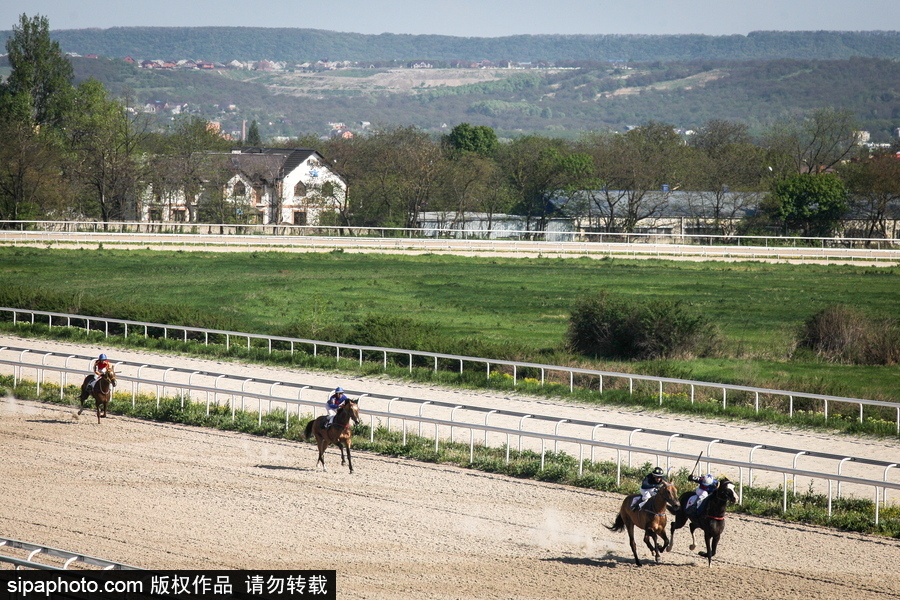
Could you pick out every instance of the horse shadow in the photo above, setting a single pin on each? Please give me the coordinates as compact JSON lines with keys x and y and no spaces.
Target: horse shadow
{"x":281,"y":468}
{"x":286,"y":468}
{"x":50,"y":421}
{"x":608,"y":561}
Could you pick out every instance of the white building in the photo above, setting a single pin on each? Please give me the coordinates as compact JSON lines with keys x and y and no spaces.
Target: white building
{"x":262,"y":186}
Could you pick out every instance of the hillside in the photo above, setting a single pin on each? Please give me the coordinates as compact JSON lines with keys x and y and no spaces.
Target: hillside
{"x":223,"y":44}
{"x":549,"y":101}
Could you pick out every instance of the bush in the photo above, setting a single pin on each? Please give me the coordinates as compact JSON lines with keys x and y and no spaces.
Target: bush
{"x":844,"y":334}
{"x":615,"y":328}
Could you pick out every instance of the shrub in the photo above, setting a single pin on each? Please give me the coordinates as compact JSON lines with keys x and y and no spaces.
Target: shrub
{"x":615,"y":328}
{"x":841,"y":333}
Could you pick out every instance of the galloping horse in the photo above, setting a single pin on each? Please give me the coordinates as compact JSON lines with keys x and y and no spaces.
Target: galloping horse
{"x":101,"y":391}
{"x":711,"y":518}
{"x":652,"y":519}
{"x":338,"y":433}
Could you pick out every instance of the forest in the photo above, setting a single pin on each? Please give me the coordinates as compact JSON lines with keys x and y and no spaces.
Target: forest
{"x":223,"y":44}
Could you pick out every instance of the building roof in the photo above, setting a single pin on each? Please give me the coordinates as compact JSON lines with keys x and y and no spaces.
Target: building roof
{"x":272,"y":164}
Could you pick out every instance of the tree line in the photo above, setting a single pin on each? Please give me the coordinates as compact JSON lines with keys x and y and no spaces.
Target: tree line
{"x":77,"y":152}
{"x":223,"y":44}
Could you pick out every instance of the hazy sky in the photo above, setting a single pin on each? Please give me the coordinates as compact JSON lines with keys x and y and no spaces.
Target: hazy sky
{"x":471,"y":18}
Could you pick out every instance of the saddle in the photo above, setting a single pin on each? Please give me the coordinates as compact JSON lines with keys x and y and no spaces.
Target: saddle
{"x":696,"y":509}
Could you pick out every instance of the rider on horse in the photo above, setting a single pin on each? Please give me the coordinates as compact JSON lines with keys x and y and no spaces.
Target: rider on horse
{"x":650,"y":485}
{"x":333,"y":403}
{"x":706,"y":485}
{"x":99,"y":366}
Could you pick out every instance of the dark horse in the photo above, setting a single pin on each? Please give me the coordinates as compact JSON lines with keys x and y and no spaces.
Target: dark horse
{"x":652,"y":519}
{"x":711,"y":518}
{"x":339,"y":433}
{"x":101,"y":391}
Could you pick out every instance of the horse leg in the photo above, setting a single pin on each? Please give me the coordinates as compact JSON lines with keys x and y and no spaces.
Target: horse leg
{"x":665,"y":540}
{"x":654,"y":547}
{"x":678,"y":523}
{"x":349,"y":462}
{"x":712,"y":541}
{"x":693,"y":541}
{"x":341,"y":446}
{"x":630,"y":527}
{"x":323,"y":444}
{"x":84,"y":394}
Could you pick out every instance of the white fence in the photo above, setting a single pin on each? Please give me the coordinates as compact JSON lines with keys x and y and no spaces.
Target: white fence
{"x":34,"y":552}
{"x":869,"y":251}
{"x":440,"y":360}
{"x":299,"y":231}
{"x":543,"y":430}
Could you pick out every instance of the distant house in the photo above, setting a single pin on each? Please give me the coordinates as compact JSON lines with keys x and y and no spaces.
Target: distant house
{"x":262,"y":186}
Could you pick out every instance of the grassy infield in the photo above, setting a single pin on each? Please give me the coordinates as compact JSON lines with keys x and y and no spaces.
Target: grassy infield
{"x":515,"y":303}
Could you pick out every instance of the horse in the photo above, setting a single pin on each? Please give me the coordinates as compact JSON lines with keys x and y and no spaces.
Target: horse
{"x":338,"y":433}
{"x":101,"y":391}
{"x":711,"y":518}
{"x":651,"y":518}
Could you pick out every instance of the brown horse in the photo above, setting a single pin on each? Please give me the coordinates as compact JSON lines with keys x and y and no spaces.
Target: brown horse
{"x":652,"y":519}
{"x":101,"y":391}
{"x":711,"y":518}
{"x":339,"y":433}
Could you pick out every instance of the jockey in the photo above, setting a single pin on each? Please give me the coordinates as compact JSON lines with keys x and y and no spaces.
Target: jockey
{"x":99,"y":367}
{"x":706,"y":485}
{"x":650,"y":485}
{"x":333,"y":403}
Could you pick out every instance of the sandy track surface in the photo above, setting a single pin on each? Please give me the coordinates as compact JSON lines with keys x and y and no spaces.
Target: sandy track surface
{"x":159,"y":495}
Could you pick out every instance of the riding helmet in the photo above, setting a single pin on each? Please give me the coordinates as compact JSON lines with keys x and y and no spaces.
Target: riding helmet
{"x":658,"y":472}
{"x":102,"y":357}
{"x":706,"y":479}
{"x":339,"y":390}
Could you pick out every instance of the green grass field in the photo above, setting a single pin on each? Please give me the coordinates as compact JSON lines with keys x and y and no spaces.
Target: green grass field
{"x":758,"y":307}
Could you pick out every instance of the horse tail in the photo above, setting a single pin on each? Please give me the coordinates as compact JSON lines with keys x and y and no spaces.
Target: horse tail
{"x":619,"y":525}
{"x":308,"y":431}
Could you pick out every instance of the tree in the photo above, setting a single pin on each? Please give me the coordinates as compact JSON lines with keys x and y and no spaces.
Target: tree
{"x":103,"y":140}
{"x":479,"y":139}
{"x":725,"y":174}
{"x":41,"y":73}
{"x":631,"y":170}
{"x":532,"y":166}
{"x":253,"y":138}
{"x":813,"y":144}
{"x":31,"y":181}
{"x":33,"y":99}
{"x":393,"y":175}
{"x":182,"y":164}
{"x":874,"y":188}
{"x":812,"y":204}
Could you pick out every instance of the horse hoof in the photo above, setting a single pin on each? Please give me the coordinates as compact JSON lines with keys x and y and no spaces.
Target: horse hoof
{"x":692,"y":546}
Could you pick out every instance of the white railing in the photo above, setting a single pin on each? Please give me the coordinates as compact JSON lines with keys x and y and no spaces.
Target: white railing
{"x":621,"y":245}
{"x":219,"y":229}
{"x":598,"y":376}
{"x":579,"y":442}
{"x":37,"y":551}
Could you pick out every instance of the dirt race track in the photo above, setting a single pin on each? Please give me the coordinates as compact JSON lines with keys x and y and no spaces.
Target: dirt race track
{"x":159,"y":495}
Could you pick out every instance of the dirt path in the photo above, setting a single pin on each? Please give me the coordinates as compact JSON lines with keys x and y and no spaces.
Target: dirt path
{"x":158,"y":495}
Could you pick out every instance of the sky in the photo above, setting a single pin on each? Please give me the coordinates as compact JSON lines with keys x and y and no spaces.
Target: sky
{"x":471,"y":18}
